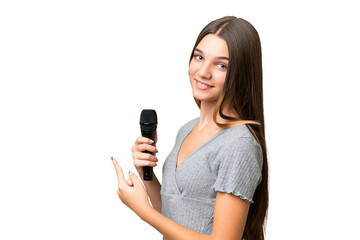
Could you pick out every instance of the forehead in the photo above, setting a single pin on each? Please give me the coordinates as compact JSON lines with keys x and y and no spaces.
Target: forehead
{"x":213,"y":45}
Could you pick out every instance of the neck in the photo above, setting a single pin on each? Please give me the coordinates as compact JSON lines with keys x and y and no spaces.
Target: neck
{"x":206,"y":116}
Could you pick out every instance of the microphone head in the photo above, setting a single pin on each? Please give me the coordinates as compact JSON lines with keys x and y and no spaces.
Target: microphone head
{"x":148,"y":117}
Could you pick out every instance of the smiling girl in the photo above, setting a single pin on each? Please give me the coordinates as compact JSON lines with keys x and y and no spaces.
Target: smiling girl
{"x":215,"y":180}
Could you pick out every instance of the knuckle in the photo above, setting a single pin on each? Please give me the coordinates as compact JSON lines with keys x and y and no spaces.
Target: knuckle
{"x":140,"y":164}
{"x":138,"y":140}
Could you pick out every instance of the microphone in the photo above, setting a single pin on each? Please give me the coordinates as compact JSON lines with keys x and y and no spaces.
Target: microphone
{"x":148,"y":124}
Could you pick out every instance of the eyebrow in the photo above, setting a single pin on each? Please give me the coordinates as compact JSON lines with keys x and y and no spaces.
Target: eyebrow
{"x":221,"y":57}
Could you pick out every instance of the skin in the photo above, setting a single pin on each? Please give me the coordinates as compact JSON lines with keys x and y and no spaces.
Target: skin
{"x":208,"y":66}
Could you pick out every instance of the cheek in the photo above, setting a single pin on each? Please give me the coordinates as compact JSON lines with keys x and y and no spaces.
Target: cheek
{"x":221,"y":77}
{"x":192,"y":69}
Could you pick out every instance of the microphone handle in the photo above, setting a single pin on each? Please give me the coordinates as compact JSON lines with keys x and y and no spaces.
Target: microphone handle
{"x":148,"y":171}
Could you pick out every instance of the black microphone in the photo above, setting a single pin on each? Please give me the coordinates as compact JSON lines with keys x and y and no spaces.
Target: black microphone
{"x":148,"y":124}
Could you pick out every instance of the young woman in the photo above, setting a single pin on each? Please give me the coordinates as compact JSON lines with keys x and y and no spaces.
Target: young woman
{"x":215,"y":178}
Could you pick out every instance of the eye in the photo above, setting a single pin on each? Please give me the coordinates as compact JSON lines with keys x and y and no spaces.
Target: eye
{"x":222,"y":66}
{"x":198,"y":57}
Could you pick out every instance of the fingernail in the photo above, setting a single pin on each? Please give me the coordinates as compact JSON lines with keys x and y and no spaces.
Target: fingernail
{"x":151,"y":141}
{"x":130,"y":172}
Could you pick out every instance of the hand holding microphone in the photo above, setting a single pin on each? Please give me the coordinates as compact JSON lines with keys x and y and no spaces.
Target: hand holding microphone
{"x":144,"y":149}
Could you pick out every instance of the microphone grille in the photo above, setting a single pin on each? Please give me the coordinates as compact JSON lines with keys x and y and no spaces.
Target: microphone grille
{"x":148,"y":116}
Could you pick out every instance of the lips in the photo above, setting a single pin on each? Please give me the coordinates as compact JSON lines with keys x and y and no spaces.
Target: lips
{"x":202,"y":85}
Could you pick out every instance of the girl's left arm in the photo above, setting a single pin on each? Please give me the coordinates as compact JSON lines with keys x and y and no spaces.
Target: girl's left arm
{"x":229,"y":215}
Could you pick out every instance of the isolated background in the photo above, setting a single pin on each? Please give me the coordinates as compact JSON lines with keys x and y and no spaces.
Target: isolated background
{"x":75,"y":75}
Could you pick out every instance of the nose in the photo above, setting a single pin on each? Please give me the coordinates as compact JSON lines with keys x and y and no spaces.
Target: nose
{"x":205,"y":71}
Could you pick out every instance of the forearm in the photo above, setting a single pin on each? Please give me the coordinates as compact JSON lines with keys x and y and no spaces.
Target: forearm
{"x":153,"y":190}
{"x":170,"y":229}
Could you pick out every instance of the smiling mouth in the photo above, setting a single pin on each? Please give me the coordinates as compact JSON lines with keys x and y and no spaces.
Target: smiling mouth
{"x":202,"y":85}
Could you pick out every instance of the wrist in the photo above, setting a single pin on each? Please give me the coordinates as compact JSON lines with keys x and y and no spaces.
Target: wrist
{"x":147,"y":212}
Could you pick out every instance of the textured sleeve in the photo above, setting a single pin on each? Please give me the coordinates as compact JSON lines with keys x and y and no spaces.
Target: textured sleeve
{"x":239,"y":168}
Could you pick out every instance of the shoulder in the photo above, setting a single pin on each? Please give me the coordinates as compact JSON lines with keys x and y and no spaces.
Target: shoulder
{"x":237,"y":143}
{"x":239,"y":135}
{"x":238,"y":164}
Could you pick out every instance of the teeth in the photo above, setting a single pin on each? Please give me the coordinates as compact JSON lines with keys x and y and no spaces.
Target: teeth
{"x":203,"y":85}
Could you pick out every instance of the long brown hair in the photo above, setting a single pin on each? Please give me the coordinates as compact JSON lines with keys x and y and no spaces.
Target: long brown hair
{"x":243,"y":96}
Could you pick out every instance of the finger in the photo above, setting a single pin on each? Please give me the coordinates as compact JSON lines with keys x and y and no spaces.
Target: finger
{"x":142,"y":163}
{"x":144,"y":157}
{"x":145,"y":147}
{"x":119,"y":173}
{"x":141,"y":140}
{"x":129,"y":182}
{"x":135,"y":180}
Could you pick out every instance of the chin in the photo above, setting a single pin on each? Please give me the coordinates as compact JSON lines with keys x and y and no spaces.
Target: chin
{"x":205,"y":98}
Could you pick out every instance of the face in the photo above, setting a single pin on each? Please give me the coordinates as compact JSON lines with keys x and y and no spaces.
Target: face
{"x":208,"y":68}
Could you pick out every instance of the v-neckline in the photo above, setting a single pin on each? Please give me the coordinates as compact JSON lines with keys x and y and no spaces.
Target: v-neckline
{"x":196,"y":149}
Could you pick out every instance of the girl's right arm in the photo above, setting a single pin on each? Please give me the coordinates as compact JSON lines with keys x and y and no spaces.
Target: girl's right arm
{"x":141,"y":160}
